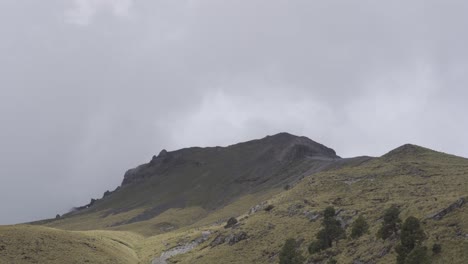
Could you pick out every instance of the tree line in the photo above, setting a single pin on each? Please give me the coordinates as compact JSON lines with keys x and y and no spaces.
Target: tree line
{"x":410,"y":249}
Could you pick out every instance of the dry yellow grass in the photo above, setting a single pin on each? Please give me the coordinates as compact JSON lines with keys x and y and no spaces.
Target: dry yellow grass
{"x":34,"y":244}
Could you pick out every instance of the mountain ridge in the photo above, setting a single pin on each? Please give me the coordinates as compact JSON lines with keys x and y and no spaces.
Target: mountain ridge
{"x":177,"y":211}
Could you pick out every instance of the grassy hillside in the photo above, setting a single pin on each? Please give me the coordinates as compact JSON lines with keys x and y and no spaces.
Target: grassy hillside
{"x":421,"y":182}
{"x":34,"y":244}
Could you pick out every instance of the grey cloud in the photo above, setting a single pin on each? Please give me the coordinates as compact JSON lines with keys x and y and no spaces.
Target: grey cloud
{"x":85,"y":97}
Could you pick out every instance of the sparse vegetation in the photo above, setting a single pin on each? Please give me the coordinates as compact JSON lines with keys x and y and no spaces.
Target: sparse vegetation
{"x":436,"y":249}
{"x":331,"y":232}
{"x":359,"y":227}
{"x":391,"y":223}
{"x":290,"y":254}
{"x":269,"y":207}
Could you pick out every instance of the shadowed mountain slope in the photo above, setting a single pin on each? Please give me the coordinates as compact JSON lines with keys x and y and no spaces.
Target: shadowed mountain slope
{"x":210,"y":178}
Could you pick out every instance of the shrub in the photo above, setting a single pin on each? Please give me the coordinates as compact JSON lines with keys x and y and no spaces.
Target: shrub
{"x":436,"y":249}
{"x":289,"y":253}
{"x":391,"y":223}
{"x":231,"y":222}
{"x":316,"y":246}
{"x":411,"y":233}
{"x":332,"y":261}
{"x":418,"y":256}
{"x":269,"y":208}
{"x":359,"y":227}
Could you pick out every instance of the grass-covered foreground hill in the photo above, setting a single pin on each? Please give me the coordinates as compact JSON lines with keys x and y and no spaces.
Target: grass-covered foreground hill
{"x":276,"y":188}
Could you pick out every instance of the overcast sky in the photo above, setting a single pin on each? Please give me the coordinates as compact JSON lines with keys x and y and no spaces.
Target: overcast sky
{"x":90,"y":88}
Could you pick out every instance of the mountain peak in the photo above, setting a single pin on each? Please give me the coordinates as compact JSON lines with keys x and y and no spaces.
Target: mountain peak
{"x":304,"y":145}
{"x":406,"y":150}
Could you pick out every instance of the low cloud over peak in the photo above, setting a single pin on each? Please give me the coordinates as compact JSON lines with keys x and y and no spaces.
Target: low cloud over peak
{"x":81,"y":104}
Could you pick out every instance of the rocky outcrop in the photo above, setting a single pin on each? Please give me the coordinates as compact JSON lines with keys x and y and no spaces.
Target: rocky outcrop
{"x":235,"y":238}
{"x":231,"y":222}
{"x":439,"y":215}
{"x":258,"y":207}
{"x":182,"y":249}
{"x":219,"y":239}
{"x":230,"y":239}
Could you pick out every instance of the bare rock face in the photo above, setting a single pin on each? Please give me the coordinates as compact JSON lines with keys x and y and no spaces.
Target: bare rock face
{"x":439,"y":215}
{"x":217,"y":241}
{"x":235,"y":238}
{"x":258,"y":207}
{"x":230,"y":239}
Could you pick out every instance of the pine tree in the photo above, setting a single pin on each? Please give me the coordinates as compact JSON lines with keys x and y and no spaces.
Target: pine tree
{"x":391,"y":223}
{"x":359,"y":227}
{"x":289,"y":253}
{"x":411,"y":237}
{"x":331,"y":231}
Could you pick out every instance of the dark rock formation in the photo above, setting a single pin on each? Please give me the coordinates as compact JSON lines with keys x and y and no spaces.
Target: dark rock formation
{"x":231,"y":222}
{"x":235,"y":238}
{"x":219,"y":239}
{"x":439,"y":215}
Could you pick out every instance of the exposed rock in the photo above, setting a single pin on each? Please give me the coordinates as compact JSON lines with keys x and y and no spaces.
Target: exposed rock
{"x":163,"y":153}
{"x":230,"y":239}
{"x":235,"y":238}
{"x":312,"y":216}
{"x":57,"y":216}
{"x":106,"y":193}
{"x":439,"y":215}
{"x":258,"y":207}
{"x":181,"y":249}
{"x":231,"y":222}
{"x":219,"y":239}
{"x":204,"y":237}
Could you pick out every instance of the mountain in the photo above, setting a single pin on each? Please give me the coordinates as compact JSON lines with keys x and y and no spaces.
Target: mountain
{"x":208,"y":178}
{"x":174,"y":209}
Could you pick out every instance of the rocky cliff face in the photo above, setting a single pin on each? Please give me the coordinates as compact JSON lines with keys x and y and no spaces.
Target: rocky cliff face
{"x":275,"y":152}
